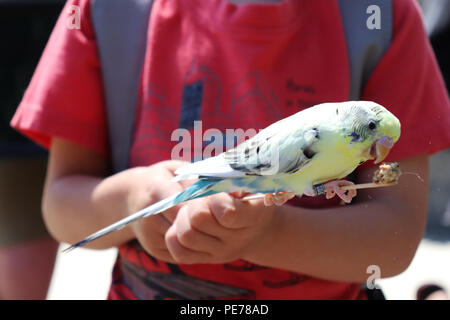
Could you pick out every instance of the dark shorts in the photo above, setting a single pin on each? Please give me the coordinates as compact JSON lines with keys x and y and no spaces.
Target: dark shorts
{"x":21,"y":186}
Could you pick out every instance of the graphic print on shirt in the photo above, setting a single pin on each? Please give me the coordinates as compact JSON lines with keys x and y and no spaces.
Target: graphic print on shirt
{"x":251,"y":93}
{"x":191,"y":105}
{"x":202,"y":90}
{"x":152,"y":137}
{"x":253,"y":105}
{"x":296,"y":92}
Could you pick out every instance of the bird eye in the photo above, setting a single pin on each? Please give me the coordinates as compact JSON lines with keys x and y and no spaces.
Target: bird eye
{"x":372,"y":125}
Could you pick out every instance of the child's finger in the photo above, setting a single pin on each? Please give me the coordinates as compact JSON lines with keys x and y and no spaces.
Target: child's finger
{"x":232,"y":213}
{"x":191,"y":237}
{"x":181,"y":253}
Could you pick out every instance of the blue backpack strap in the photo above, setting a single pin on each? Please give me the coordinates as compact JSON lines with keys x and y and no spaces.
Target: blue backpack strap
{"x":121,"y":33}
{"x":366,"y":46}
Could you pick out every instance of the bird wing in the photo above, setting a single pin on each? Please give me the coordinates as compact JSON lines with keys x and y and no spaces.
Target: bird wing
{"x":284,"y":147}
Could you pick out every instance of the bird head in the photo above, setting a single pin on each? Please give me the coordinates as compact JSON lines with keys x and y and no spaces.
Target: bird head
{"x":373,"y":126}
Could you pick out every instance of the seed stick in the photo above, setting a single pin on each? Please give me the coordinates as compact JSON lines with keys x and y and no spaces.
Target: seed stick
{"x":367,"y":186}
{"x":386,"y":175}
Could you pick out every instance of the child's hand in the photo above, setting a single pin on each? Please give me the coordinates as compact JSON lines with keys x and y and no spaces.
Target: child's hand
{"x":149,"y":185}
{"x":218,"y":229}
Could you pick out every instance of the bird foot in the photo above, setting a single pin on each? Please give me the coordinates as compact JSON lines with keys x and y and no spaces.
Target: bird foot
{"x":334,"y":187}
{"x":278,"y":198}
{"x":238,"y":194}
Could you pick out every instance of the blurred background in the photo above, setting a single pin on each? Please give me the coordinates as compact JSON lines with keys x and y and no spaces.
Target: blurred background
{"x":35,"y":261}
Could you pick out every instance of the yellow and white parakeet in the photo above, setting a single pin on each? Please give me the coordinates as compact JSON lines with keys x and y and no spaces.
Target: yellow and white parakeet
{"x":290,"y":157}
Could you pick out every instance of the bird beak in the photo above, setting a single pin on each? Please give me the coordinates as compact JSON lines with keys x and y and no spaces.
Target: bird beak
{"x":382,"y":148}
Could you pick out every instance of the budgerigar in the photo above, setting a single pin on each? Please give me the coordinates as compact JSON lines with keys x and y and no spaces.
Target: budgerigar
{"x":319,"y":144}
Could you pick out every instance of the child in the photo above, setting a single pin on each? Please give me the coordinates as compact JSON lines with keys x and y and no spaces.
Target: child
{"x":249,"y":64}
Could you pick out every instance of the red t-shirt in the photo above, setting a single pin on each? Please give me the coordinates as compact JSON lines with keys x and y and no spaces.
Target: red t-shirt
{"x":234,"y":66}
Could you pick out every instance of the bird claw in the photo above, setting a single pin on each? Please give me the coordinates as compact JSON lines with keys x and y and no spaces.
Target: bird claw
{"x":278,"y":198}
{"x":334,"y":187}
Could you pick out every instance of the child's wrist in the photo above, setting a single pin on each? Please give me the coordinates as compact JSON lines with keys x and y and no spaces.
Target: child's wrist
{"x":260,"y":252}
{"x":128,"y":188}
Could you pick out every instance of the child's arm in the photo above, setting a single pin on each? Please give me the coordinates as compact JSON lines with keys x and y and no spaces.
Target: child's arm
{"x":78,"y":200}
{"x":383,"y":228}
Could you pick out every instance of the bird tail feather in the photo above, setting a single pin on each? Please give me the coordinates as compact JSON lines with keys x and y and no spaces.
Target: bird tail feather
{"x":197,"y":190}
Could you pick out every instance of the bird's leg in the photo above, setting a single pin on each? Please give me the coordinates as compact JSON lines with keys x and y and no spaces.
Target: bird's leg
{"x":278,"y":198}
{"x":238,"y":194}
{"x":311,"y":191}
{"x":334,"y":187}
